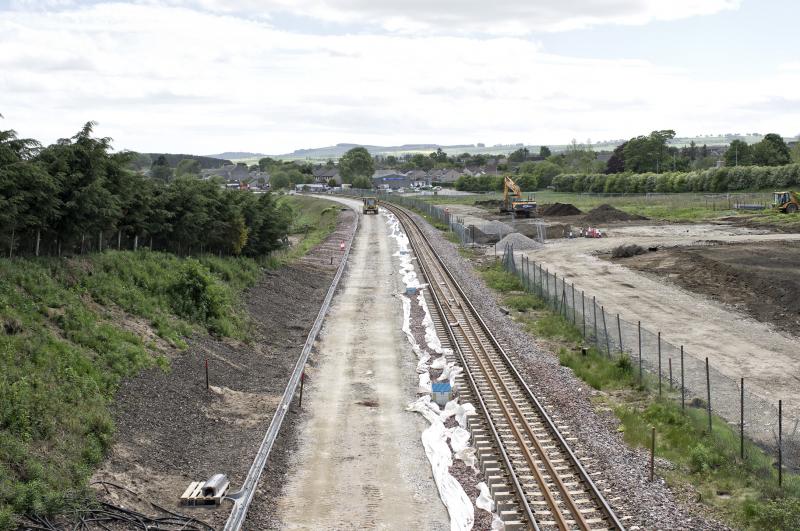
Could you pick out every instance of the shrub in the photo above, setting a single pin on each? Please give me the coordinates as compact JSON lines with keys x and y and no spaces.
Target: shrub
{"x":703,"y":459}
{"x":196,"y":295}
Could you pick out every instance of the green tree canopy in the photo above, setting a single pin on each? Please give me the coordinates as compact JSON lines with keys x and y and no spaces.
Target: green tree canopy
{"x":355,"y":162}
{"x":544,"y":151}
{"x":160,"y":169}
{"x":771,"y":151}
{"x":187,"y":167}
{"x":362,"y":182}
{"x":739,"y":153}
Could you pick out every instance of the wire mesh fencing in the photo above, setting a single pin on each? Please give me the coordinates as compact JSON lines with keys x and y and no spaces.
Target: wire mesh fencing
{"x":668,"y":369}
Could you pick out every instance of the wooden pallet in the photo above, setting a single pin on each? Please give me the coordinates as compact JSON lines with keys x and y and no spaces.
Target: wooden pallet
{"x":193,"y":495}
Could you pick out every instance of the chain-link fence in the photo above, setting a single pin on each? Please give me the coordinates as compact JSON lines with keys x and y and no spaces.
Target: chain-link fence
{"x":669,"y":369}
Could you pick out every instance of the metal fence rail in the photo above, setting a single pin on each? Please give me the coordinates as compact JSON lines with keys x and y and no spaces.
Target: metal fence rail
{"x":686,"y":379}
{"x":668,"y":368}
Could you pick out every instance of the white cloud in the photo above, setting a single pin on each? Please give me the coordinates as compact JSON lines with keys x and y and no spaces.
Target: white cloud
{"x":501,"y":17}
{"x":183,"y":80}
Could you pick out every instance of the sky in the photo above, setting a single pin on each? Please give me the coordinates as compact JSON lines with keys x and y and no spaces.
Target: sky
{"x":272,"y":76}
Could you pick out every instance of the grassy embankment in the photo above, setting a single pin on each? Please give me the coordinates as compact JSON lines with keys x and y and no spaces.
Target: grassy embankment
{"x":684,"y":207}
{"x":743,"y":493}
{"x":70,"y":331}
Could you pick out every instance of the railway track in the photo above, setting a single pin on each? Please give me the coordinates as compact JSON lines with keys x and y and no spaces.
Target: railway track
{"x":537,"y":481}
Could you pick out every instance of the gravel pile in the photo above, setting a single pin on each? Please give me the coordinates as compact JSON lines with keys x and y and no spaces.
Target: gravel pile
{"x":626,"y":486}
{"x":520,"y":242}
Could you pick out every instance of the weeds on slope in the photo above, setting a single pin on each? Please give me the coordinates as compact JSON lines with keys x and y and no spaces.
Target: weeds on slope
{"x":65,"y":345}
{"x":744,"y":493}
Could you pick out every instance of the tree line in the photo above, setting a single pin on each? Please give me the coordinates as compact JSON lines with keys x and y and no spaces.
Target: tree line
{"x":722,"y":179}
{"x":78,"y":196}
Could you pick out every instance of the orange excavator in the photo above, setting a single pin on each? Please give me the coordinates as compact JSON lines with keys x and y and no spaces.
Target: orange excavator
{"x":787,"y":202}
{"x":513,"y":201}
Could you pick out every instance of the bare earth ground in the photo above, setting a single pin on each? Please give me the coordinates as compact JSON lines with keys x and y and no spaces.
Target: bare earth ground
{"x":171,"y":430}
{"x":359,"y":461}
{"x":736,"y":345}
{"x":761,"y":280}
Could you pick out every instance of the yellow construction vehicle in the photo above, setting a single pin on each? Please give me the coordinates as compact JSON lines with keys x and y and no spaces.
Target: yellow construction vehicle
{"x":370,"y":205}
{"x":786,"y":202}
{"x":513,"y":201}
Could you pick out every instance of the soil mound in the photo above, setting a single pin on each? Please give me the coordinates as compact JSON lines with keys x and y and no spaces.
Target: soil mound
{"x":488,"y":203}
{"x":561,"y":209}
{"x":520,"y":242}
{"x":609,"y":213}
{"x":628,"y":250}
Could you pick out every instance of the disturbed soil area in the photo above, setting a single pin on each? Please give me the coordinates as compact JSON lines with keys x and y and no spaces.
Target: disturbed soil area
{"x":642,"y":504}
{"x":762,"y":279}
{"x":171,"y":430}
{"x":358,"y":462}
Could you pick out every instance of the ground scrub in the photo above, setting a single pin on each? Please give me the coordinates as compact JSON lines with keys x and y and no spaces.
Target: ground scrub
{"x":67,"y":347}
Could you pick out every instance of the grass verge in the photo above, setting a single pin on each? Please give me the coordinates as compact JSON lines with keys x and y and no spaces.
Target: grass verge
{"x":70,"y":332}
{"x":743,"y":493}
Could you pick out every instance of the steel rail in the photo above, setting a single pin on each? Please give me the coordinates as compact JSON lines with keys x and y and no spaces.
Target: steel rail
{"x":243,"y":497}
{"x":592,"y":490}
{"x":457,"y":347}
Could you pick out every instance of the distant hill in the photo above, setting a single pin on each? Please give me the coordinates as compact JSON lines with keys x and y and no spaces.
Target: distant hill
{"x":237,"y":155}
{"x":206,"y":163}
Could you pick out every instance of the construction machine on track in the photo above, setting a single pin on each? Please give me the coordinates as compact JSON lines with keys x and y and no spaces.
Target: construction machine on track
{"x":513,"y":201}
{"x":786,"y":202}
{"x":370,"y":205}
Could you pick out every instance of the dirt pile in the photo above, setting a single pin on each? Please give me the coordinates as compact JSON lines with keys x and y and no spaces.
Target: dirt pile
{"x":607,"y":212}
{"x":561,"y":209}
{"x":519,"y":242}
{"x":627,"y":250}
{"x":488,"y":203}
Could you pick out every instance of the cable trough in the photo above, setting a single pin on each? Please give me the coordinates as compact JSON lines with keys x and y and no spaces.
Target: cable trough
{"x":242,"y":498}
{"x":535,"y":477}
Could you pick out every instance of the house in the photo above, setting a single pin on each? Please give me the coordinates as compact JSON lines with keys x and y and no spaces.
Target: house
{"x":449,"y":176}
{"x":228,"y":172}
{"x":390,"y":179}
{"x":419,"y":177}
{"x":323,"y":174}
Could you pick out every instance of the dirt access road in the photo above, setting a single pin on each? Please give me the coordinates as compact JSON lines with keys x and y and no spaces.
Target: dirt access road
{"x":360,"y":463}
{"x":736,"y":344}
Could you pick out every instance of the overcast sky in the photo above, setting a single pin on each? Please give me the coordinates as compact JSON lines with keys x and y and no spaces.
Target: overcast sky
{"x":271,"y":76}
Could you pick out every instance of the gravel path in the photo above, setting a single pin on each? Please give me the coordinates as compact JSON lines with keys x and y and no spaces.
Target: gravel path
{"x":649,"y":505}
{"x":171,"y":430}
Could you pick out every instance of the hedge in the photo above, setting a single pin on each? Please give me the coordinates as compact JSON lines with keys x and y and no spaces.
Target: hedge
{"x":712,"y":180}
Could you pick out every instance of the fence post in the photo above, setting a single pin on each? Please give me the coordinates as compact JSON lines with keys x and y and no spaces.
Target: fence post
{"x":780,"y":443}
{"x":574,"y":310}
{"x":594,"y":313}
{"x":741,"y":420}
{"x":605,"y":331}
{"x":708,"y":389}
{"x":652,"y":451}
{"x":639,"y":330}
{"x":583,"y":311}
{"x":683,"y":389}
{"x":659,"y":364}
{"x":619,"y":332}
{"x":670,"y":373}
{"x":555,"y":291}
